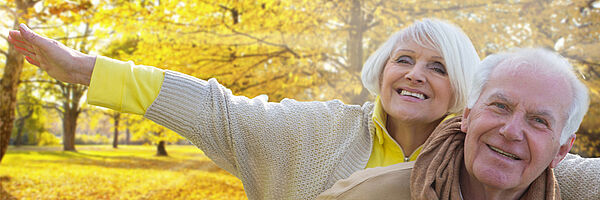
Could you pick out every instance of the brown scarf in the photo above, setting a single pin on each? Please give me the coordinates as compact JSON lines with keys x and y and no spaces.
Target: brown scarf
{"x":436,"y":171}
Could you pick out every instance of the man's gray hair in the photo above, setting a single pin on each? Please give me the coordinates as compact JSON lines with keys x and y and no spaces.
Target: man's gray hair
{"x":544,"y":61}
{"x":454,"y":46}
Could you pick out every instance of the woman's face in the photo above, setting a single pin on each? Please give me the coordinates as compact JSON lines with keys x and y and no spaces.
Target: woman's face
{"x":415,"y":86}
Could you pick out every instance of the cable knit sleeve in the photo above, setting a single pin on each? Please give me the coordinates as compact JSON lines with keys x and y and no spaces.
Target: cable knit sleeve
{"x":285,"y":150}
{"x":578,"y":178}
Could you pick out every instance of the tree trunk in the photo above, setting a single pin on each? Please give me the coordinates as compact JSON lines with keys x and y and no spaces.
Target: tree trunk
{"x":71,"y":109}
{"x":160,"y":149}
{"x":127,"y":135}
{"x":355,"y":46}
{"x":116,"y":135}
{"x":69,"y":128}
{"x":72,"y":94}
{"x":10,"y":82}
{"x":20,"y":125}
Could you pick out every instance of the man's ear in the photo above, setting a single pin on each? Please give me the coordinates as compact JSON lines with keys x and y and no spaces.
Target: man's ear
{"x":464,"y":121}
{"x":562,"y":152}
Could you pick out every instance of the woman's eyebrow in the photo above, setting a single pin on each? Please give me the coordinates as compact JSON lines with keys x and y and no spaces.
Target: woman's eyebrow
{"x":405,"y":50}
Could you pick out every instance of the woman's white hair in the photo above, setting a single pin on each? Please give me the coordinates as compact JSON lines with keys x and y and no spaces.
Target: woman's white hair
{"x":454,"y":46}
{"x":543,"y":61}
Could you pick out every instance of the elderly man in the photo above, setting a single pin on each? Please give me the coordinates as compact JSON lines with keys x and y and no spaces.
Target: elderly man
{"x":522,"y":115}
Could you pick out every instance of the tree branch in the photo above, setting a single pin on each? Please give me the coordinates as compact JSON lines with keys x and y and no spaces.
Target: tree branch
{"x":264,"y":41}
{"x":5,"y":7}
{"x":54,"y":106}
{"x":38,"y":81}
{"x":73,"y":37}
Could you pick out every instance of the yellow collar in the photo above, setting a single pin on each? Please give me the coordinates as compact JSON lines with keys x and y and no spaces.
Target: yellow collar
{"x":380,"y":119}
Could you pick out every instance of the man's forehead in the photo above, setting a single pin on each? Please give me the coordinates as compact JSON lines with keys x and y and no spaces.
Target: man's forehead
{"x":540,"y":93}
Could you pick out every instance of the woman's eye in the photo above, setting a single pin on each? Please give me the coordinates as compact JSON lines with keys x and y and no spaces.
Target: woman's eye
{"x":438,"y":67}
{"x":404,"y":60}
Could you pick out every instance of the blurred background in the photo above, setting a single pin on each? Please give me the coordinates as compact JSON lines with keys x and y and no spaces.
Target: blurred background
{"x":61,"y":148}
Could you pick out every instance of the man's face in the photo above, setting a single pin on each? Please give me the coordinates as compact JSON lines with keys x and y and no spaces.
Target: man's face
{"x":514,"y":128}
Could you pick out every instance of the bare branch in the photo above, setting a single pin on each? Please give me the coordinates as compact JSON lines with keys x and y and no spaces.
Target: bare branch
{"x":340,"y":64}
{"x":44,"y":27}
{"x":264,"y":41}
{"x":582,"y":60}
{"x":38,"y":81}
{"x":74,"y":37}
{"x":4,"y":52}
{"x":54,"y":106}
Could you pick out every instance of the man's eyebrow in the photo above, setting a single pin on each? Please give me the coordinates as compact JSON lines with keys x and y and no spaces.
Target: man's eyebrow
{"x":501,"y":97}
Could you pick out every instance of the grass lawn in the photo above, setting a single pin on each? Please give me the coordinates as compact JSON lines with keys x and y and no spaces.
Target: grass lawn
{"x":101,"y":172}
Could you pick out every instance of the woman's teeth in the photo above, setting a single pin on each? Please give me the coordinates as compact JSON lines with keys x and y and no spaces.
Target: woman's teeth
{"x":412,"y":94}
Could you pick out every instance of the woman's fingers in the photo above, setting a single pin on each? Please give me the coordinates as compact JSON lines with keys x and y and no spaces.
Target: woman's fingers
{"x":17,"y":37}
{"x":14,"y":37}
{"x":32,"y":61}
{"x":23,"y":47}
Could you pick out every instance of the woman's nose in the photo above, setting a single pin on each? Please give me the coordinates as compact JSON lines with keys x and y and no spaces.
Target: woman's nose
{"x":415,"y":75}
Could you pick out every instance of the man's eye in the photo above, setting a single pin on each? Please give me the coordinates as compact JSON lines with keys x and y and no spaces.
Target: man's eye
{"x":499,"y":105}
{"x":404,"y":60}
{"x":540,"y":120}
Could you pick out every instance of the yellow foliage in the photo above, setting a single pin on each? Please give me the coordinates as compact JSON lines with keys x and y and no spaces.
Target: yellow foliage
{"x":46,"y":138}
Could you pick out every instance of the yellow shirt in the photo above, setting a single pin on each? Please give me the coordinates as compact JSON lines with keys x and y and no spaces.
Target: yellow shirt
{"x":386,"y":151}
{"x":130,"y":88}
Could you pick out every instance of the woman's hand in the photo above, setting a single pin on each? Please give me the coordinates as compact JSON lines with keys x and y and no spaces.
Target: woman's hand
{"x":60,"y":62}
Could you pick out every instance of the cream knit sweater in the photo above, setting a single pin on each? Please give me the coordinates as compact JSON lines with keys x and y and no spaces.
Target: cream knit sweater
{"x":286,"y":150}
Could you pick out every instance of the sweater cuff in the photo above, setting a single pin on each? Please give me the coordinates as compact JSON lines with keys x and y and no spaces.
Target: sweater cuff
{"x":123,"y":86}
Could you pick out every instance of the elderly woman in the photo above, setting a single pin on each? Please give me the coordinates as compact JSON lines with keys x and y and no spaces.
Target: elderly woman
{"x":290,"y":149}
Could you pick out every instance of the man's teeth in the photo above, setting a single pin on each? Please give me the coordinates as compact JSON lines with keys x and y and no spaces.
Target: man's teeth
{"x":512,"y":156}
{"x":416,"y":95}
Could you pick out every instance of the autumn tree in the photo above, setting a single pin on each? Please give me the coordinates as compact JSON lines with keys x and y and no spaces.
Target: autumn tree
{"x":116,"y":118}
{"x":75,"y":19}
{"x":69,"y":97}
{"x":145,"y":129}
{"x":29,"y":107}
{"x":19,"y":11}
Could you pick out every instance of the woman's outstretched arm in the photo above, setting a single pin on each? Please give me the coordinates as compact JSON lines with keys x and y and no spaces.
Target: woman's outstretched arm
{"x":122,"y":86}
{"x":59,"y":61}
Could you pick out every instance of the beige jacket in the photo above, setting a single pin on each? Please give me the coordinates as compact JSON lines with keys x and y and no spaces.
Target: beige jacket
{"x":391,"y":182}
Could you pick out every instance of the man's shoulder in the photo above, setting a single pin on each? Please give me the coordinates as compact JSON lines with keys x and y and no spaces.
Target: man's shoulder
{"x":391,"y":182}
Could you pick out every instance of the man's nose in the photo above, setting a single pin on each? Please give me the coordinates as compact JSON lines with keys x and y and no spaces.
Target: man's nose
{"x":513,"y":128}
